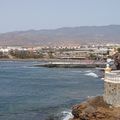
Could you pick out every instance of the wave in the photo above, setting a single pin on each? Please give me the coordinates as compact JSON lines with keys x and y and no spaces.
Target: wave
{"x":29,"y":67}
{"x":102,"y":78}
{"x":90,"y":97}
{"x":92,"y":74}
{"x":66,"y":115}
{"x":87,"y":71}
{"x":77,"y":71}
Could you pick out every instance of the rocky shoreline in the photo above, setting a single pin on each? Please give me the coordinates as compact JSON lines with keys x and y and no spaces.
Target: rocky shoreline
{"x":95,"y":109}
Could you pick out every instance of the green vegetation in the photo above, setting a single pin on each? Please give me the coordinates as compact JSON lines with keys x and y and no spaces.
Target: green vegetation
{"x":92,"y":56}
{"x":50,"y":54}
{"x":26,"y":54}
{"x":118,"y":49}
{"x":2,"y":55}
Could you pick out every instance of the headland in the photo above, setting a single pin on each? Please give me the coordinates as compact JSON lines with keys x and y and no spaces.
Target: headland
{"x":106,"y":107}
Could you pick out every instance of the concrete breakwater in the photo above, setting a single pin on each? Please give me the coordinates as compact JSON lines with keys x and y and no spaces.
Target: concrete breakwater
{"x":73,"y":64}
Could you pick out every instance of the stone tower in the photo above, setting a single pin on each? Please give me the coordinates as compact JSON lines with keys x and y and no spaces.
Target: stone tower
{"x":112,"y":87}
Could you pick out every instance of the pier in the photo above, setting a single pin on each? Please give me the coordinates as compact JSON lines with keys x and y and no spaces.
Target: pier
{"x":74,"y":64}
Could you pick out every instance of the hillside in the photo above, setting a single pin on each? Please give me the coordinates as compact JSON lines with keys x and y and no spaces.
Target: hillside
{"x":63,"y":36}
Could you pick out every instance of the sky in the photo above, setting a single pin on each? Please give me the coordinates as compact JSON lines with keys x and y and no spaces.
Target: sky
{"x":21,"y":15}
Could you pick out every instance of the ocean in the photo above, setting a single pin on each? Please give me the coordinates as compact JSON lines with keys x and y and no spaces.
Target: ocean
{"x":38,"y":93}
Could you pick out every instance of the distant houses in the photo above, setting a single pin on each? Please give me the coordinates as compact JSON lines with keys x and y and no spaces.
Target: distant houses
{"x":82,"y":52}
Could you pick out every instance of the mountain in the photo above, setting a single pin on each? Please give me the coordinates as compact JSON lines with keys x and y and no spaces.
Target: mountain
{"x":64,"y":36}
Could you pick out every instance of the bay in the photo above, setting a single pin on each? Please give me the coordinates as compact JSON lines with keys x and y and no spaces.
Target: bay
{"x":38,"y":93}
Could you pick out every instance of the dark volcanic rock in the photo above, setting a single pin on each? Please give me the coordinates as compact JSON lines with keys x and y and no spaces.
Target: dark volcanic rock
{"x":95,"y":109}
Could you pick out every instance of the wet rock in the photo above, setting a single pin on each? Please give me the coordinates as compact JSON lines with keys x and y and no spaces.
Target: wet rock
{"x":95,"y":109}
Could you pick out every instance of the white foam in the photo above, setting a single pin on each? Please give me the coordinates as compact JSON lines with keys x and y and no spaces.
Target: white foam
{"x":102,"y":78}
{"x":92,"y":74}
{"x":29,"y":67}
{"x":88,"y":71}
{"x":77,"y":71}
{"x":67,"y":115}
{"x":90,"y":96}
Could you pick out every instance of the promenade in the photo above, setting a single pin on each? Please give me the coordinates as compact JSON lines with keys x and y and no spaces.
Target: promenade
{"x":74,"y":64}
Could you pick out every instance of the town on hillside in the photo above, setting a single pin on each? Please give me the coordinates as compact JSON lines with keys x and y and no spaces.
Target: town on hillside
{"x":81,"y":52}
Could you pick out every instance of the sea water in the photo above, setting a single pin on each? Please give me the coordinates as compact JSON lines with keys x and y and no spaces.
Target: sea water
{"x":38,"y":93}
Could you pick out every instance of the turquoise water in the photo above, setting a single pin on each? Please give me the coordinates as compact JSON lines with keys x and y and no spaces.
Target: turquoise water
{"x":36,"y":93}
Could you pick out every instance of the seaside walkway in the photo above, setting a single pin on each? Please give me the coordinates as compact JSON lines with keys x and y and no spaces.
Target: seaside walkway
{"x":75,"y":64}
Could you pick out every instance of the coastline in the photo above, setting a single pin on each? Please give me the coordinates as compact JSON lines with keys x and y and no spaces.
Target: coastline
{"x":62,"y":63}
{"x":95,"y":109}
{"x":72,"y":64}
{"x":41,"y":60}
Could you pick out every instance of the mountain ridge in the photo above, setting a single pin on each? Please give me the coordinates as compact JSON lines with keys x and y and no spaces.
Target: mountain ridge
{"x":63,"y":36}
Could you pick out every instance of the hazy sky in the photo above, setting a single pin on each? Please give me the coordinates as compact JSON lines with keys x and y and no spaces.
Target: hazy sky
{"x":47,"y":14}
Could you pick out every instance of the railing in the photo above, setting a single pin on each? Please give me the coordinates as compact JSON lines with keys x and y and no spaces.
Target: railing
{"x":113,"y":76}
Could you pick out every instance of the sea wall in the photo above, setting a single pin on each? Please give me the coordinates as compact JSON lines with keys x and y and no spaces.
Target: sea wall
{"x":112,"y":93}
{"x":72,"y":65}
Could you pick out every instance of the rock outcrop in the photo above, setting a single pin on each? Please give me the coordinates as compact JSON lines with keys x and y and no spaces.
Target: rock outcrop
{"x":95,"y":109}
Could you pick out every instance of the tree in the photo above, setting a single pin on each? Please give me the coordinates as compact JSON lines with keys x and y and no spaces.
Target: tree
{"x":118,"y":50}
{"x":117,"y":60}
{"x":50,"y":54}
{"x":92,"y":56}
